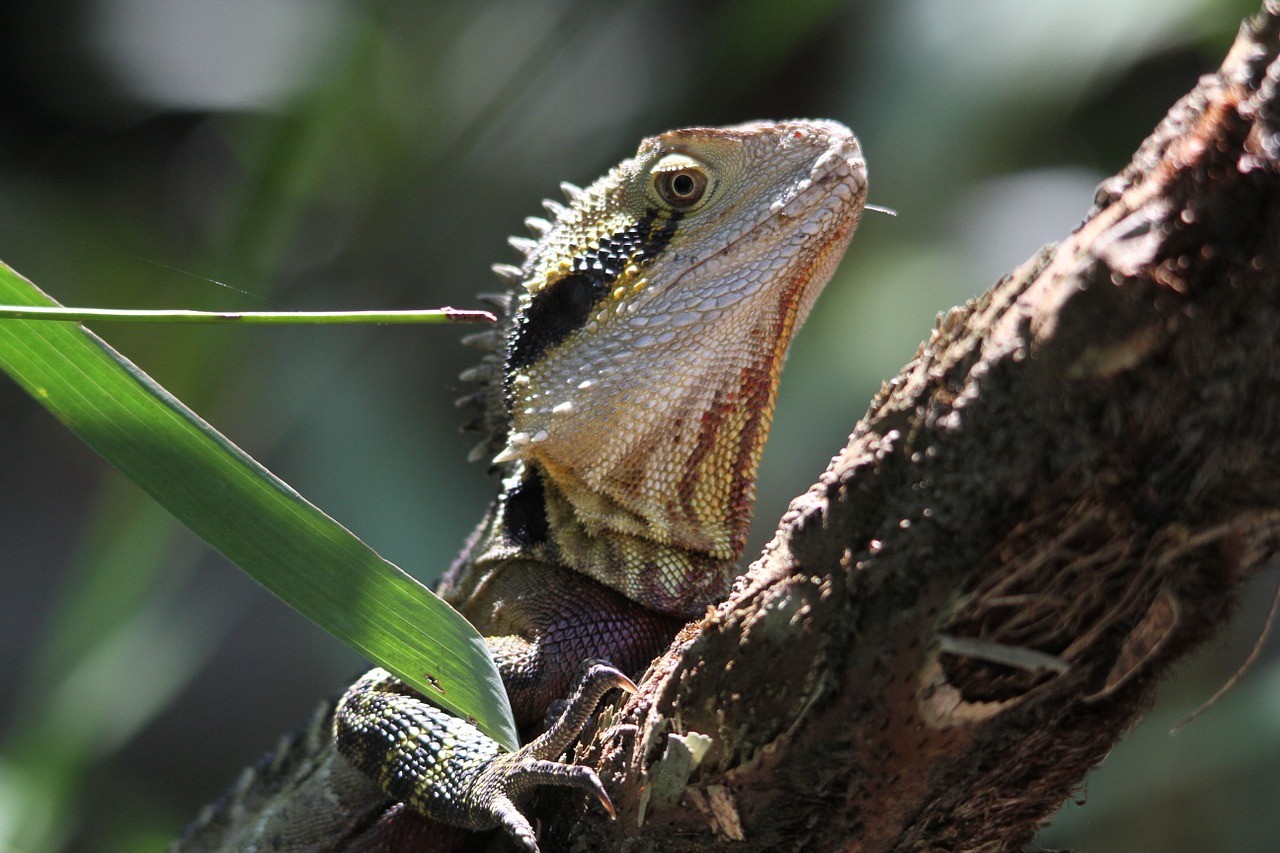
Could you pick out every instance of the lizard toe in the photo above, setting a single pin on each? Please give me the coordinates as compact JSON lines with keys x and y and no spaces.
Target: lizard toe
{"x":509,"y":778}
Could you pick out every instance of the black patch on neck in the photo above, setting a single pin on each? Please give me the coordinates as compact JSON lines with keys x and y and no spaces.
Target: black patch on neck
{"x":552,"y":316}
{"x":564,"y":306}
{"x":524,"y":514}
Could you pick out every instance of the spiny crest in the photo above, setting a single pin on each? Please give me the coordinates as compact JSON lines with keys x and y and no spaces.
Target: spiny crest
{"x":486,"y":400}
{"x":491,"y":413}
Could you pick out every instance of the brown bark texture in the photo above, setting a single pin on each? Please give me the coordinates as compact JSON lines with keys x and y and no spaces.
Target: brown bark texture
{"x":1055,"y":501}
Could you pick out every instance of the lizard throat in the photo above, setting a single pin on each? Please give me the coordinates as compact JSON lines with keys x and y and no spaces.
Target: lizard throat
{"x":665,"y":504}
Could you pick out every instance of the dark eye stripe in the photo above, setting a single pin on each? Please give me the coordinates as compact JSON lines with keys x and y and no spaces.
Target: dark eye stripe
{"x":564,"y":306}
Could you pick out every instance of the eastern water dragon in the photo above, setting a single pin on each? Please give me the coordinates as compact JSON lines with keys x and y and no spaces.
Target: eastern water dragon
{"x":624,"y":402}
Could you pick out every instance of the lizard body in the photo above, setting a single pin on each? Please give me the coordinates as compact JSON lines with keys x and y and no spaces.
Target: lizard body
{"x":626,"y":405}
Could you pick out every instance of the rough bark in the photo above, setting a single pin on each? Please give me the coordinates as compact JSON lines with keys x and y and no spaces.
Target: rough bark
{"x":1056,"y":500}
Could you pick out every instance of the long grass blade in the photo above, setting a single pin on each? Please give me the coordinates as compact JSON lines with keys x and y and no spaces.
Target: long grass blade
{"x":254,"y":518}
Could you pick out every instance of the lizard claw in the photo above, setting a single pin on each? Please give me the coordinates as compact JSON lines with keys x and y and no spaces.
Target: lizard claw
{"x":510,"y":776}
{"x":447,"y":769}
{"x":504,"y":783}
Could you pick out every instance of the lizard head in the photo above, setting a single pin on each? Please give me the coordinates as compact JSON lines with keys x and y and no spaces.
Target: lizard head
{"x":642,"y":362}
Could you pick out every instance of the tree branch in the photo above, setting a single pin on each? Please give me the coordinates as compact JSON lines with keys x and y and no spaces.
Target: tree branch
{"x":1050,"y":505}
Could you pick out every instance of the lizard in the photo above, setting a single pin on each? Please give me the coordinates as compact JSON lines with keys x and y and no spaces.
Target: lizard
{"x":625,"y":402}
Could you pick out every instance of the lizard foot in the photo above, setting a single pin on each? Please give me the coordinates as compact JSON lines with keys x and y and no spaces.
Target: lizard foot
{"x":447,"y":769}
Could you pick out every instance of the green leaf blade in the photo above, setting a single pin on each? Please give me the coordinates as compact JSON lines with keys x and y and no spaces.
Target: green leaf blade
{"x":255,"y":519}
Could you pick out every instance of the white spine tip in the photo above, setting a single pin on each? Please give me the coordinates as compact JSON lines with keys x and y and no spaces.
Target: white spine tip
{"x":507,"y":272}
{"x":523,"y":245}
{"x":571,"y":191}
{"x":537,"y":225}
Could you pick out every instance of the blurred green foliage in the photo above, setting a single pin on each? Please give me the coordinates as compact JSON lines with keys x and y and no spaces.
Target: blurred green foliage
{"x":308,"y":154}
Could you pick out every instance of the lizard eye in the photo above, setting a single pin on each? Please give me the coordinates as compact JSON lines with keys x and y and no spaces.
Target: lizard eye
{"x":681,"y":189}
{"x":680,"y":181}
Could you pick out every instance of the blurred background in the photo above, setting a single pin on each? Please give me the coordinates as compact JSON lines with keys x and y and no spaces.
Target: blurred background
{"x":308,"y":154}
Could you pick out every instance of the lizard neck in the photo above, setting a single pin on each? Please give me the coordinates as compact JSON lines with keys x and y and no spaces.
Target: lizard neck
{"x":534,"y":521}
{"x":669,"y":454}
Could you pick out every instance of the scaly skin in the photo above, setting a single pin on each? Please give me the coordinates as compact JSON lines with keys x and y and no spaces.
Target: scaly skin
{"x":627,"y":412}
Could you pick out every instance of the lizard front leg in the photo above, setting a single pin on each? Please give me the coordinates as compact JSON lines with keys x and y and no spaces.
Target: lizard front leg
{"x":540,"y":623}
{"x":445,"y":768}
